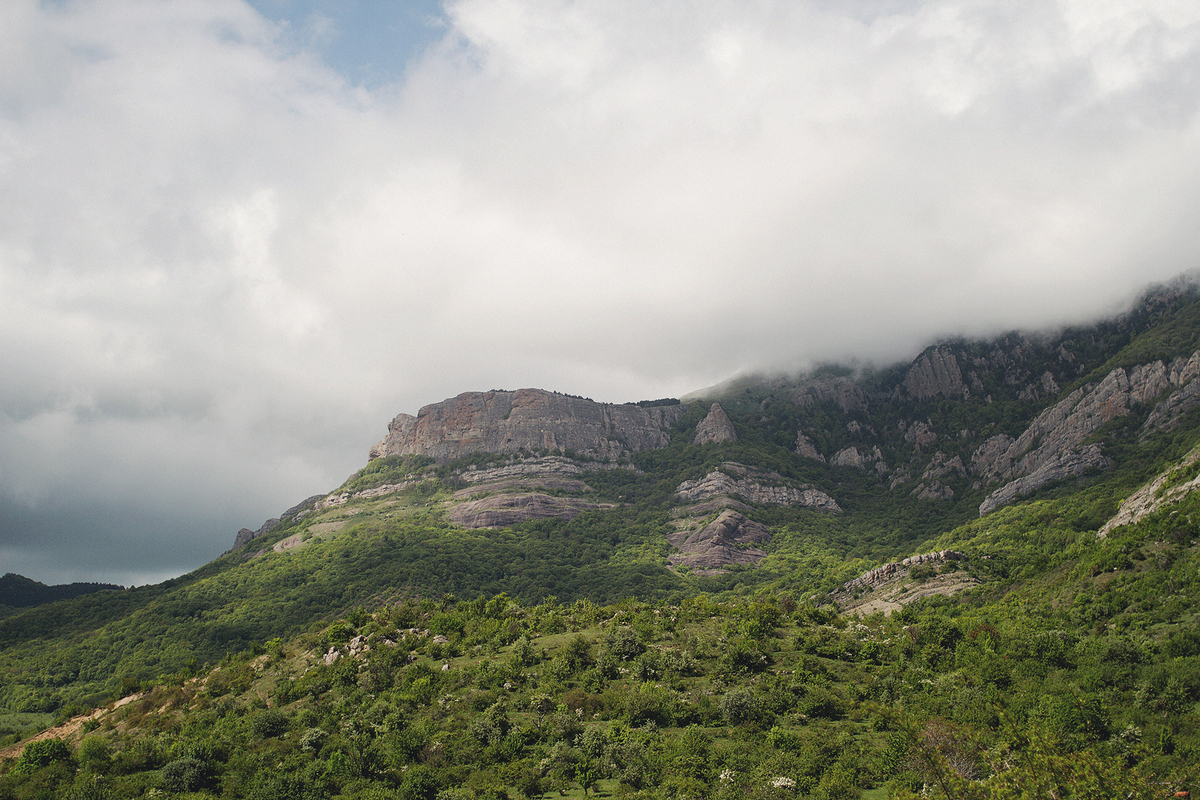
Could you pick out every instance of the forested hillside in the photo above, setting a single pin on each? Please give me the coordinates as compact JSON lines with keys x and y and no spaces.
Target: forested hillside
{"x":681,"y":618}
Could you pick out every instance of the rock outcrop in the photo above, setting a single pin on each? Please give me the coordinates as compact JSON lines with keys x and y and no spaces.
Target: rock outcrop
{"x":859,"y":459}
{"x":1182,"y":373}
{"x":1061,"y":466}
{"x":715,"y":428}
{"x":1049,"y":449}
{"x":544,"y":467}
{"x":889,"y":572}
{"x":727,"y":540}
{"x":753,"y":486}
{"x":806,"y":448}
{"x":529,"y":420}
{"x":920,"y":434}
{"x":297,"y":511}
{"x":842,"y":391}
{"x":709,"y":544}
{"x":934,"y":490}
{"x":1170,"y":487}
{"x":890,"y":588}
{"x":499,"y":510}
{"x":935,"y":372}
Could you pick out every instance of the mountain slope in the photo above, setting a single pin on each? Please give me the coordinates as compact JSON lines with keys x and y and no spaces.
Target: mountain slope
{"x":810,"y":482}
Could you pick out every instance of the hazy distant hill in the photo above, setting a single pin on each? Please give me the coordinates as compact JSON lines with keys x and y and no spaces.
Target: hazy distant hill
{"x":18,"y":591}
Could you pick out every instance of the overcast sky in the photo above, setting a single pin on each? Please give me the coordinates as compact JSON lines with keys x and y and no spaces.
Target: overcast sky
{"x":237,"y":238}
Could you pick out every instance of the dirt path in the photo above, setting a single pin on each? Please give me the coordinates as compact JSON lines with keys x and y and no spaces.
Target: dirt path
{"x":67,"y":729}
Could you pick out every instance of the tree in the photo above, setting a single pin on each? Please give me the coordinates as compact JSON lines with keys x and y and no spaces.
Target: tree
{"x":41,"y":754}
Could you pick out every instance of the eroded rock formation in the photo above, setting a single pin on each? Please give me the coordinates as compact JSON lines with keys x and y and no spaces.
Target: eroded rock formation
{"x":529,"y":420}
{"x":727,"y":540}
{"x":1170,"y":487}
{"x":1071,"y":464}
{"x":498,"y":510}
{"x":935,"y":372}
{"x":889,"y":572}
{"x":711,"y":544}
{"x":806,"y":448}
{"x":1051,"y":448}
{"x":715,"y":428}
{"x":890,"y":587}
{"x":859,"y":459}
{"x":842,"y":391}
{"x":753,"y":486}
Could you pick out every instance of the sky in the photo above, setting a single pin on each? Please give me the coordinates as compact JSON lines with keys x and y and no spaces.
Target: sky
{"x":237,"y":238}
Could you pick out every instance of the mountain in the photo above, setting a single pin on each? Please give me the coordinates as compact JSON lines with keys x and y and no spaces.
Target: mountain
{"x":17,"y":591}
{"x":850,"y":568}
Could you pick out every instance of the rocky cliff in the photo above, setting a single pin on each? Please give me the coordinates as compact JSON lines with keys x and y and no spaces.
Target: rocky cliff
{"x":708,"y":545}
{"x":935,"y":372}
{"x":715,"y":428}
{"x":1052,"y":447}
{"x":528,"y":420}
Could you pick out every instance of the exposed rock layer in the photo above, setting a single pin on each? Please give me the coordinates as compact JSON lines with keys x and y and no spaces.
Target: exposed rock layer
{"x":527,"y":420}
{"x":1051,"y":449}
{"x":727,"y":540}
{"x":754,"y":486}
{"x":888,"y":588}
{"x":1170,"y":487}
{"x":935,"y":372}
{"x":715,"y":428}
{"x":508,"y":509}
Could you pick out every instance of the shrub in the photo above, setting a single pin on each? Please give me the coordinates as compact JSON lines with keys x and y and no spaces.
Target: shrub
{"x":269,"y":723}
{"x":41,"y":754}
{"x":185,"y":775}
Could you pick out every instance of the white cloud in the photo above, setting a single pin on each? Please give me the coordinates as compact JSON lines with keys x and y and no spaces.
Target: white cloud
{"x":223,"y":268}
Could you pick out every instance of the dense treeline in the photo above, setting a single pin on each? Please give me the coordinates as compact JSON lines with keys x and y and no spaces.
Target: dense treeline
{"x":770,"y":697}
{"x":17,"y":591}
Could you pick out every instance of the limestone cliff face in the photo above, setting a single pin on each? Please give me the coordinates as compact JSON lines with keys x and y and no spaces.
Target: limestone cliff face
{"x":527,"y":419}
{"x":1051,"y":448}
{"x":842,"y":391}
{"x":715,"y":428}
{"x":1169,"y":487}
{"x":754,"y":486}
{"x":935,"y":372}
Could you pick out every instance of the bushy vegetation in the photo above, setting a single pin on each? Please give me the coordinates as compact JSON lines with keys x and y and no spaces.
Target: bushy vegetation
{"x":369,"y":648}
{"x":767,"y":696}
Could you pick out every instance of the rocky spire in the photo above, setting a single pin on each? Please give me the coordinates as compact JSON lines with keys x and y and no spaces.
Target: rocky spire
{"x":715,"y":428}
